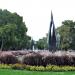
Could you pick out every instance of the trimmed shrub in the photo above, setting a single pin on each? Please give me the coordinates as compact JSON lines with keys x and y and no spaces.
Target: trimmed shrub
{"x":5,"y":66}
{"x":32,"y":59}
{"x":40,"y":68}
{"x":68,"y":68}
{"x":8,"y":59}
{"x":37,"y":68}
{"x":32,"y":68}
{"x":56,"y":68}
{"x":44,"y":58}
{"x":18,"y":66}
{"x":48,"y":67}
{"x":48,"y":60}
{"x":28,"y":67}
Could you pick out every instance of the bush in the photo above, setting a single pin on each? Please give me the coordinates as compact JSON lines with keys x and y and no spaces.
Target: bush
{"x":32,"y":68}
{"x":56,"y":68}
{"x":68,"y":68}
{"x":48,"y":60}
{"x":27,"y":67}
{"x":5,"y":66}
{"x":44,"y":58}
{"x":32,"y":59}
{"x":40,"y":68}
{"x":48,"y":67}
{"x":18,"y":66}
{"x":37,"y":68}
{"x":7,"y":58}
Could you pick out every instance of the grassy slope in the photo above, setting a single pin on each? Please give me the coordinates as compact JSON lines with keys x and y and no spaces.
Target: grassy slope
{"x":23,"y":72}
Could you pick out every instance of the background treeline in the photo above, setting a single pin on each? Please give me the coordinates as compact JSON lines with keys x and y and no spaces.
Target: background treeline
{"x":13,"y":34}
{"x":67,"y":36}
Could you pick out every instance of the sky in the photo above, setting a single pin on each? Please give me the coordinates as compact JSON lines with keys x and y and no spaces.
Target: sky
{"x":37,"y":13}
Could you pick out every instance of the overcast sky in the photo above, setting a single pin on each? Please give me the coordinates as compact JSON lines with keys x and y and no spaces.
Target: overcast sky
{"x":36,"y":13}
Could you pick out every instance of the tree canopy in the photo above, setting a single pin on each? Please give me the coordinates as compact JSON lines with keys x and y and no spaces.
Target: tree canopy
{"x":13,"y":31}
{"x":67,"y":33}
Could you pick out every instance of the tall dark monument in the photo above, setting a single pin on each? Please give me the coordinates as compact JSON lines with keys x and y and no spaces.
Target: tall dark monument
{"x":52,"y":36}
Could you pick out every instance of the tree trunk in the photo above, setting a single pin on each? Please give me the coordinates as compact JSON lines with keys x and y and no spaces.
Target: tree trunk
{"x":2,"y":44}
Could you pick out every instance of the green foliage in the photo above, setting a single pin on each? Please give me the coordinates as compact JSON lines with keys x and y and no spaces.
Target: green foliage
{"x":7,"y":33}
{"x":17,"y":66}
{"x":5,"y":66}
{"x":50,"y":68}
{"x":68,"y":68}
{"x":42,"y":43}
{"x":28,"y":67}
{"x":67,"y":36}
{"x":32,"y":68}
{"x":13,"y":31}
{"x":37,"y":68}
{"x":67,"y":33}
{"x":56,"y":68}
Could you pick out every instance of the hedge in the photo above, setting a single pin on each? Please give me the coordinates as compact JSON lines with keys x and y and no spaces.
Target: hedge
{"x":44,"y":58}
{"x":37,"y":68}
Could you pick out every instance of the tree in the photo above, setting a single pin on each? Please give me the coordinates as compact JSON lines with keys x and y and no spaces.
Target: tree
{"x":42,"y":43}
{"x":7,"y":34}
{"x":67,"y":33}
{"x":13,"y":31}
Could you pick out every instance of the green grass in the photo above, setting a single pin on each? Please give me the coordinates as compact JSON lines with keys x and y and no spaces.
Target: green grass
{"x":23,"y":72}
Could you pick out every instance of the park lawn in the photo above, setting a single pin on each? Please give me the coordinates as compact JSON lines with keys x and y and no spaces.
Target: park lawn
{"x":24,"y":72}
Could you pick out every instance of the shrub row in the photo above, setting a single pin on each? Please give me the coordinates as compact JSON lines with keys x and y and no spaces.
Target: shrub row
{"x":38,"y":58}
{"x":50,"y":68}
{"x":37,"y":68}
{"x":18,"y":66}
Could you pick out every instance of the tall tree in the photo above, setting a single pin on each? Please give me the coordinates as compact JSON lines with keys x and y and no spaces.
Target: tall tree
{"x":13,"y":31}
{"x":67,"y":33}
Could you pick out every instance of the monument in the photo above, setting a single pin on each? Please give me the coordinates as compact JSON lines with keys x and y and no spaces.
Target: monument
{"x":51,"y":35}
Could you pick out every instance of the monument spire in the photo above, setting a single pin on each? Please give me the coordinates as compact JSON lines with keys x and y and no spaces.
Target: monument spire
{"x":51,"y":35}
